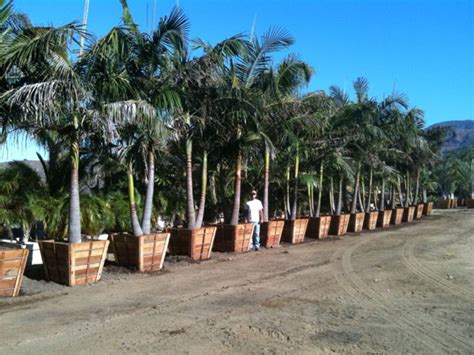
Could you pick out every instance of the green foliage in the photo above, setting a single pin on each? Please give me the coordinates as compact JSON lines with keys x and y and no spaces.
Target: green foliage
{"x":454,"y":173}
{"x":134,"y":99}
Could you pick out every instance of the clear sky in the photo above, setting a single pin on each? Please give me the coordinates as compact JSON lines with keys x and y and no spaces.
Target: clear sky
{"x":424,"y":48}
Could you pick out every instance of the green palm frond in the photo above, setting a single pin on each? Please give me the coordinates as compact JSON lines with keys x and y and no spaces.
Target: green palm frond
{"x":6,"y":9}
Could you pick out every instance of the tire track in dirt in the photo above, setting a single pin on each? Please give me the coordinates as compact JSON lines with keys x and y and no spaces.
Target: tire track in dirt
{"x":359,"y":295}
{"x":395,"y":313}
{"x":412,"y":263}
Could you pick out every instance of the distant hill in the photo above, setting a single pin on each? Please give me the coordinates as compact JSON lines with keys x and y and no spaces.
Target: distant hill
{"x":463,"y":134}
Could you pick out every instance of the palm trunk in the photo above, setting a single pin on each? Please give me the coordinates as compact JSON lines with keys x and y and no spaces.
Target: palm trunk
{"x":425,"y":196}
{"x":345,"y":203}
{"x":202,"y":201}
{"x":136,"y":228}
{"x":374,"y":193}
{"x":320,"y":189}
{"x":74,"y":226}
{"x":362,"y":195}
{"x":26,"y":229}
{"x":224,"y":203}
{"x":190,"y":213}
{"x":393,"y":197}
{"x":382,"y":196}
{"x":356,"y":190}
{"x":234,"y":219}
{"x":359,"y":196}
{"x":212,"y":188}
{"x":309,"y":188}
{"x":417,"y":186}
{"x":409,"y":198}
{"x":266,"y":183}
{"x":295,"y":191}
{"x":150,"y":186}
{"x":287,"y":194}
{"x":369,"y":192}
{"x":331,"y":195}
{"x":339,"y":198}
{"x":400,"y":195}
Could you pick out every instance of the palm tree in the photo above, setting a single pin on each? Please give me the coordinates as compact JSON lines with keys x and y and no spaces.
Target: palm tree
{"x":54,"y":96}
{"x":276,"y":87}
{"x":242,"y":80}
{"x":199,"y":79}
{"x":19,"y":184}
{"x":324,"y":147}
{"x":140,"y":92}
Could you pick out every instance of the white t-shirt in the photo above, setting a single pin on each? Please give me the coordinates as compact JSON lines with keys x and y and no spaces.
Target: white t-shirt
{"x":254,"y":207}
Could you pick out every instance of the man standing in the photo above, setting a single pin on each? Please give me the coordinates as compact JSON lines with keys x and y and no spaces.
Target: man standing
{"x":255,"y":216}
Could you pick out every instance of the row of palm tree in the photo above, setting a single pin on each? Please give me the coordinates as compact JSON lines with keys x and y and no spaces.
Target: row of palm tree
{"x":140,"y":114}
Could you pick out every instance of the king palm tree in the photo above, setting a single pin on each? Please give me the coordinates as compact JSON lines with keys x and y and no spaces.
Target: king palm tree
{"x":276,"y":87}
{"x":199,"y":79}
{"x":140,"y":92}
{"x":241,"y":95}
{"x":54,"y":96}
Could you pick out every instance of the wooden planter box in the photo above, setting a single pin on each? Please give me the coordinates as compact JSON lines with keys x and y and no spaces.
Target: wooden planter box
{"x":469,"y":203}
{"x":397,"y":215}
{"x":231,"y":238}
{"x":444,"y":204}
{"x":73,"y":264}
{"x":370,"y":221}
{"x":419,"y":210}
{"x":428,"y":208}
{"x":318,"y":227}
{"x":195,"y":243}
{"x":408,"y":214}
{"x":295,"y":230}
{"x":270,"y":233}
{"x":339,"y":224}
{"x":12,"y":267}
{"x":454,"y":203}
{"x":144,"y":253}
{"x":384,"y":218}
{"x":356,"y":222}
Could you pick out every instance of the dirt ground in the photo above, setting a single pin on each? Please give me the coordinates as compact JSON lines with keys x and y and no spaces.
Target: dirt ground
{"x":405,"y":289}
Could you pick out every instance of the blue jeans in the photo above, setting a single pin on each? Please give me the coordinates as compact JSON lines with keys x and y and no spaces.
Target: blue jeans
{"x":256,"y":235}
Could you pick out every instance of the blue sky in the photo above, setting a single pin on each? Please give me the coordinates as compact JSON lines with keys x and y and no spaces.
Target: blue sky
{"x":422,"y":48}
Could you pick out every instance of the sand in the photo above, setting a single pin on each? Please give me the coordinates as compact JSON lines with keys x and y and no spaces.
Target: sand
{"x":405,"y":289}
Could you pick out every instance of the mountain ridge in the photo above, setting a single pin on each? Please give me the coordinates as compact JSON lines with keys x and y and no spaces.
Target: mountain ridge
{"x":463,"y":134}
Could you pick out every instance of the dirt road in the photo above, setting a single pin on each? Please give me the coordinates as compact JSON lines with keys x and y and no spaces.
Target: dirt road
{"x":406,"y":289}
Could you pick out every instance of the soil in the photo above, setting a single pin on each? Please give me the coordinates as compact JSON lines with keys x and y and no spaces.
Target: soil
{"x":405,"y":289}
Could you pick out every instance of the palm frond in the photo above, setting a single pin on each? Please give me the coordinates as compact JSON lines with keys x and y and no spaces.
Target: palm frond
{"x":361,"y":87}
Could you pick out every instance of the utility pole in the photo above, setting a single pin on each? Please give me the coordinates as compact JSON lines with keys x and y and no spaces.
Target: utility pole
{"x":147,"y":17}
{"x":153,"y":16}
{"x":84,"y":26}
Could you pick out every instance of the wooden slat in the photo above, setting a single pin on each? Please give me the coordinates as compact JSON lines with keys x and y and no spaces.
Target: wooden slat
{"x":271,"y":232}
{"x":145,"y":253}
{"x":370,"y":221}
{"x":73,"y":264}
{"x":384,"y":218}
{"x":428,"y":208}
{"x":339,"y":224}
{"x":12,"y":266}
{"x":294,"y":230}
{"x":419,"y":210}
{"x":8,"y":282}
